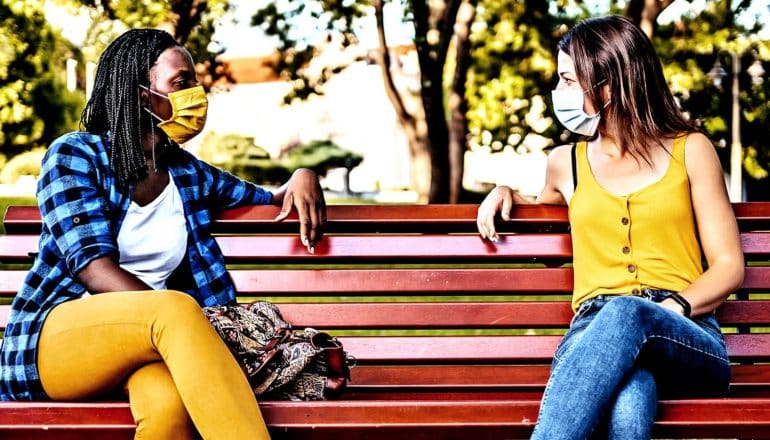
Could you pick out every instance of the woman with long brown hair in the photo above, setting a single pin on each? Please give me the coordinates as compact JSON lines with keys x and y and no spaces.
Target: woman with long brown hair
{"x":646,"y":201}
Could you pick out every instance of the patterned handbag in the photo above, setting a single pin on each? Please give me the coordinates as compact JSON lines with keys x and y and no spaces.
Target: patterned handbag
{"x":281,"y":363}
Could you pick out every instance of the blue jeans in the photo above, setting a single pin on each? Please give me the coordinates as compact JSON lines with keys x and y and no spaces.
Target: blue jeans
{"x":619,"y":355}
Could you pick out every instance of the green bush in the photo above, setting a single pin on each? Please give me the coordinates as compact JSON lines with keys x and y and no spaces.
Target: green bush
{"x":239,"y":155}
{"x":24,"y":164}
{"x":320,"y":156}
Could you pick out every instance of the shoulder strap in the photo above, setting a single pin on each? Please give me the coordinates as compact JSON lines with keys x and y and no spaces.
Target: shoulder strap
{"x":574,"y":166}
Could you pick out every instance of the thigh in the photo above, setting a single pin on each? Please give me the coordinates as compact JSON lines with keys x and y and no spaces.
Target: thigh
{"x":89,"y":345}
{"x":691,"y":363}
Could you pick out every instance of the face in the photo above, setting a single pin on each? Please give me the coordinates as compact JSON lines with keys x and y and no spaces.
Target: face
{"x":173,"y":71}
{"x":568,"y":79}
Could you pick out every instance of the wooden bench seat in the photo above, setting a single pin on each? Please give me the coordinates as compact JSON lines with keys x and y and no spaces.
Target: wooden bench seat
{"x":453,"y":335}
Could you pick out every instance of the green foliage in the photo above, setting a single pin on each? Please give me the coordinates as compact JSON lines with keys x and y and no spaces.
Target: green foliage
{"x":35,"y":106}
{"x":320,"y":156}
{"x":511,"y":73}
{"x":24,"y":164}
{"x":191,"y":22}
{"x":239,"y":155}
{"x":689,"y":48}
{"x":320,"y":21}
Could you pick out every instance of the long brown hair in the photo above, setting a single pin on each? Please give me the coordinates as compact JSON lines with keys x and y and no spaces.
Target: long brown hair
{"x":615,"y":51}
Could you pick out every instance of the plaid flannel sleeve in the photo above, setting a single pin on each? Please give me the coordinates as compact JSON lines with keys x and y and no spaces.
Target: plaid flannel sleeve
{"x":73,"y":204}
{"x":229,"y":191}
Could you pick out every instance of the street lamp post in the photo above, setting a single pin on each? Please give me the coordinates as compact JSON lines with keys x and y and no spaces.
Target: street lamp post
{"x":717,"y":73}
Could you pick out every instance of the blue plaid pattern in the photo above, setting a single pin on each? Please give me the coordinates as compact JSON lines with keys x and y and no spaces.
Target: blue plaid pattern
{"x":82,"y":210}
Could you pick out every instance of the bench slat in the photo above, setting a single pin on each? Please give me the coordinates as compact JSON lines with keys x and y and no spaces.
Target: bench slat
{"x":318,"y":282}
{"x":26,"y":219}
{"x":385,"y":247}
{"x":463,"y":315}
{"x":415,"y":377}
{"x":490,"y":419}
{"x":503,"y":349}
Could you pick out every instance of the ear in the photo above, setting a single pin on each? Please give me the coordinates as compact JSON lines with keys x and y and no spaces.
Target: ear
{"x":605,"y":91}
{"x":144,"y":96}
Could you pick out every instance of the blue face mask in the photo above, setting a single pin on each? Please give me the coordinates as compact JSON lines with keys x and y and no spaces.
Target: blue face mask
{"x":568,"y":106}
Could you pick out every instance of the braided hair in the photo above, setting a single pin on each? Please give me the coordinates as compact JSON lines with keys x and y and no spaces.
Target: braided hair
{"x":115,"y":107}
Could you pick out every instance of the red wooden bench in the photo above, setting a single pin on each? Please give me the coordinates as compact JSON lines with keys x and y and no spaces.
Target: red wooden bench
{"x":453,"y":335}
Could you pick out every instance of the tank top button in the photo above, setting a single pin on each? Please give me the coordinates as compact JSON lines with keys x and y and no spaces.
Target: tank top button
{"x":631,"y":268}
{"x":626,"y":249}
{"x":635,"y":292}
{"x":624,"y":220}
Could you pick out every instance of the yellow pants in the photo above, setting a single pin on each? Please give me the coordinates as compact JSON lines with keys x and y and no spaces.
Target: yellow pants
{"x":160,"y":348}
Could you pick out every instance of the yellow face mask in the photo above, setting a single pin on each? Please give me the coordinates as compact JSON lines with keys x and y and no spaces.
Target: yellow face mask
{"x":188,"y":113}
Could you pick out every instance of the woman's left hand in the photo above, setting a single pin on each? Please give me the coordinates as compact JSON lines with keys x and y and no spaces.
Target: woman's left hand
{"x":303,"y":192}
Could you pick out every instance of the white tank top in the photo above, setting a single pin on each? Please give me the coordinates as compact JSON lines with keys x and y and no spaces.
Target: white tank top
{"x":153,"y":238}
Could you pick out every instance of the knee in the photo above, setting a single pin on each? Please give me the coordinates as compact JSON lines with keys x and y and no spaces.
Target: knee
{"x":177,"y":306}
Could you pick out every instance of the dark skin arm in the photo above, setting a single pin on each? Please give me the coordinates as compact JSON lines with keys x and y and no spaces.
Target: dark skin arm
{"x":304,"y":193}
{"x":105,"y":275}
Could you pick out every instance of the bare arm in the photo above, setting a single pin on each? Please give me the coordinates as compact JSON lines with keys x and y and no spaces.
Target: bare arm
{"x":717,"y":229}
{"x":558,"y":181}
{"x":304,"y":193}
{"x":105,"y":275}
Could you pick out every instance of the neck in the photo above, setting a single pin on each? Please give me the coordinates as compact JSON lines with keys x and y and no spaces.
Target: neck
{"x":150,"y":142}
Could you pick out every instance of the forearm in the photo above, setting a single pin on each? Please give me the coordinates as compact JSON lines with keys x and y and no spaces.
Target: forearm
{"x":709,"y":290}
{"x":105,"y":275}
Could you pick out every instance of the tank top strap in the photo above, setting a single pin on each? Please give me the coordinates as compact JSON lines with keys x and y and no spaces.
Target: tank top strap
{"x":677,"y":150}
{"x":584,"y":173}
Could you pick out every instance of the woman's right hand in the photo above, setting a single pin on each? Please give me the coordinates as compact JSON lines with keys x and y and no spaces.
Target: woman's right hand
{"x":499,"y":200}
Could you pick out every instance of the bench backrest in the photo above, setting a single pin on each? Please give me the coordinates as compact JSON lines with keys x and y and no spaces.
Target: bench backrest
{"x":414,"y":288}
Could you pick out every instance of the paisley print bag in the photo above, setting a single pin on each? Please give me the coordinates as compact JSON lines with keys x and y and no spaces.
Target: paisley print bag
{"x":280,"y":362}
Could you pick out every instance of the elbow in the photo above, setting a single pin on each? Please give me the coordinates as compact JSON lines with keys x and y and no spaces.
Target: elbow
{"x":734,"y":272}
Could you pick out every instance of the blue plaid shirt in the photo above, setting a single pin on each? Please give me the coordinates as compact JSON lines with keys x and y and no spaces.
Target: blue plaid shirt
{"x":82,"y":209}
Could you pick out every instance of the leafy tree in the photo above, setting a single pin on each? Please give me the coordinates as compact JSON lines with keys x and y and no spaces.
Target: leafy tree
{"x":35,"y":106}
{"x":191,"y":22}
{"x":511,"y":75}
{"x":689,"y":48}
{"x":434,"y":23}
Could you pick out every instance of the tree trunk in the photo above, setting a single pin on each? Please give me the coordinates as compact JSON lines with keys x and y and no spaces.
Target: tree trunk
{"x":458,"y":105}
{"x":645,"y":13}
{"x":432,"y":56}
{"x":413,"y":126}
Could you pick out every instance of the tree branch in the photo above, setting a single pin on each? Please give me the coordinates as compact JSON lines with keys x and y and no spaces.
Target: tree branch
{"x":384,"y":61}
{"x":446,"y":26}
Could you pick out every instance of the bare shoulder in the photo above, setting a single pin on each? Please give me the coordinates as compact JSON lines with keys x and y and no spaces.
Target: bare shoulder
{"x":558,"y":179}
{"x":559,"y":159}
{"x":699,"y":151}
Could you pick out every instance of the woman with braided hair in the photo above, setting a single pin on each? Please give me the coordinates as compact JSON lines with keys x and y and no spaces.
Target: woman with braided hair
{"x":112,"y":302}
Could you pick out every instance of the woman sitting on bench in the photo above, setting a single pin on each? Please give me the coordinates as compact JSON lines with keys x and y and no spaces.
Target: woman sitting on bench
{"x":646,"y":197}
{"x":126,"y":260}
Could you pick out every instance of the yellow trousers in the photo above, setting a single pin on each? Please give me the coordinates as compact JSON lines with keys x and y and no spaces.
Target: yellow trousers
{"x":158,"y":347}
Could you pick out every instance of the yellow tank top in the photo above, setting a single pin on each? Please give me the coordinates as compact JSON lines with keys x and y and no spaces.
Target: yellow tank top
{"x":622,"y":244}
